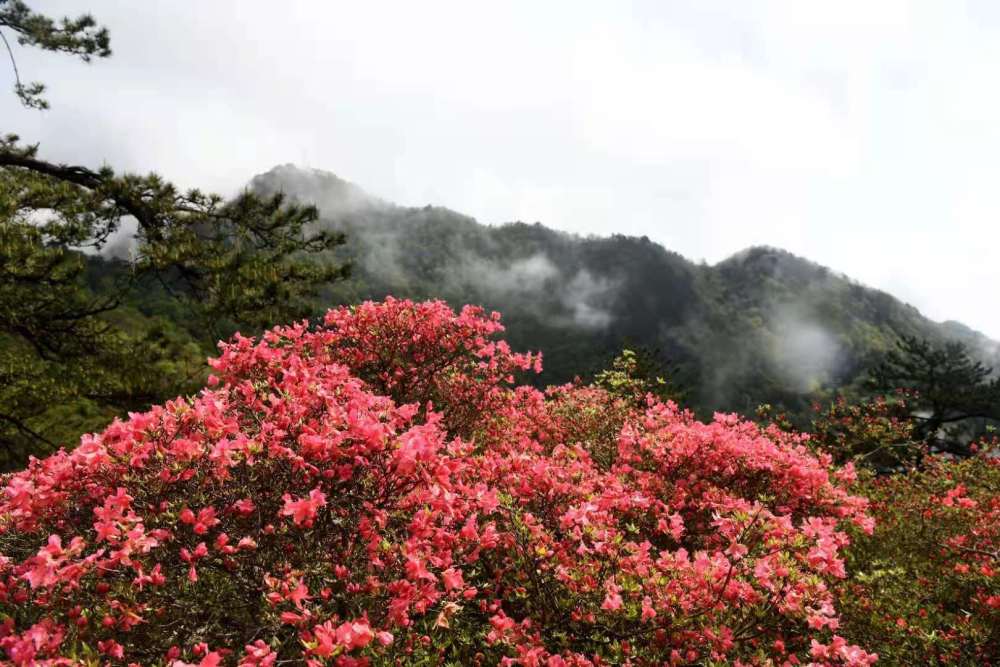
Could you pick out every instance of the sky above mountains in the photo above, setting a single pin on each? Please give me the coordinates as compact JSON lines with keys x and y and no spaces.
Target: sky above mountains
{"x":862,"y":135}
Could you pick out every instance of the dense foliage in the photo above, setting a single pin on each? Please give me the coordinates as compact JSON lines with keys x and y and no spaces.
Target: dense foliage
{"x":636,"y":373}
{"x":925,"y":586}
{"x":380,"y":488}
{"x":67,"y":342}
{"x":952,"y":394}
{"x":876,"y":433}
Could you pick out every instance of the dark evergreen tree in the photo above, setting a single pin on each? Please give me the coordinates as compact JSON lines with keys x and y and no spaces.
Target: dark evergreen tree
{"x":75,"y":344}
{"x":949,"y":390}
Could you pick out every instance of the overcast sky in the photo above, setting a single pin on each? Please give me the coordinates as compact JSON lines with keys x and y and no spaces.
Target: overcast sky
{"x":864,"y":135}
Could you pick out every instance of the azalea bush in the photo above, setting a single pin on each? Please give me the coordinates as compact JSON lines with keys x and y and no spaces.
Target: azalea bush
{"x":381,"y":489}
{"x":877,"y":433}
{"x":925,"y":586}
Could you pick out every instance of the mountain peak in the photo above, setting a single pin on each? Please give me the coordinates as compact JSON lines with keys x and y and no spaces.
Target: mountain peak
{"x":332,"y":194}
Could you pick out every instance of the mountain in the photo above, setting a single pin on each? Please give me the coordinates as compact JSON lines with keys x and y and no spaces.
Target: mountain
{"x":762,"y":326}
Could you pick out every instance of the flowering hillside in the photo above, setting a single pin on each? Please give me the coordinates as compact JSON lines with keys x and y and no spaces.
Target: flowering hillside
{"x":380,"y":490}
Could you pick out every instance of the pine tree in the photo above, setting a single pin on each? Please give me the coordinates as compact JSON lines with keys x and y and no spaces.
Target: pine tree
{"x":948,"y":389}
{"x":73,"y":349}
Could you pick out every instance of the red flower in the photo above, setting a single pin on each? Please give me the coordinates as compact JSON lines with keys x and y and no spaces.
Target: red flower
{"x":303,"y":510}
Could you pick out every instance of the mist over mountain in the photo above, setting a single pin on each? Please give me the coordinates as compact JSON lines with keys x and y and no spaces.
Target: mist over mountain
{"x":761,"y":326}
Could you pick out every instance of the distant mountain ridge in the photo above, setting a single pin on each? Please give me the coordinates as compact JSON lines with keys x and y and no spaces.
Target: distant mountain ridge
{"x":760,"y":326}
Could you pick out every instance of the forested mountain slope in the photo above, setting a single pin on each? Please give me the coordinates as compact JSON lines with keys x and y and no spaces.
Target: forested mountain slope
{"x":761,"y":326}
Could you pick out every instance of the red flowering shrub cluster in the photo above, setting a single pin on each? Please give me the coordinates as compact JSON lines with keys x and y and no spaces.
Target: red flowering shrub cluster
{"x":876,"y":433}
{"x":379,"y":490}
{"x":925,"y":586}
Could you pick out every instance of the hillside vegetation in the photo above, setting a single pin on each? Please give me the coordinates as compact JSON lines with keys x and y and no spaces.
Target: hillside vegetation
{"x":763,"y":326}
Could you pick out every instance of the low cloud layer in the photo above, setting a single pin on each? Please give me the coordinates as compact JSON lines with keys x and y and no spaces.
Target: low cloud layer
{"x":804,"y":352}
{"x":532,"y":281}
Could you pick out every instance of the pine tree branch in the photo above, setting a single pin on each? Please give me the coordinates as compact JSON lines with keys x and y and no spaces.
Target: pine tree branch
{"x":23,"y":428}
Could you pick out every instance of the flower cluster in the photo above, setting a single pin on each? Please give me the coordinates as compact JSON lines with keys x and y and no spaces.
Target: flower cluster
{"x":378,"y":489}
{"x":925,"y":586}
{"x":876,"y":433}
